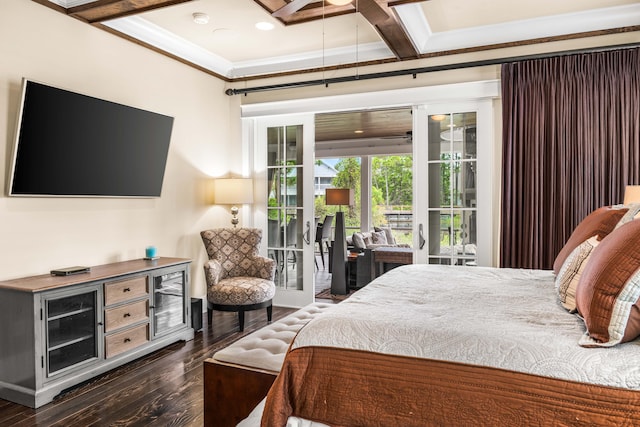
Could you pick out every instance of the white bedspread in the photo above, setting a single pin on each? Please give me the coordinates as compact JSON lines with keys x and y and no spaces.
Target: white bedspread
{"x":504,"y":318}
{"x":253,"y":420}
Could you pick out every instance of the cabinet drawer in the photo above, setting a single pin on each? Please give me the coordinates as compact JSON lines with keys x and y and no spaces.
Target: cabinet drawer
{"x":118,"y":317}
{"x":126,"y":340}
{"x":123,"y":290}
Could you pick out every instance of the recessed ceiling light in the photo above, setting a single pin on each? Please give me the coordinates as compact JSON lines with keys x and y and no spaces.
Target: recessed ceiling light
{"x":358,"y":131}
{"x":264,"y":26}
{"x":200,"y":18}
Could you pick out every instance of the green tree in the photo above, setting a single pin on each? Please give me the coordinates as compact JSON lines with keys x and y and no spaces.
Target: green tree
{"x":377,"y":213}
{"x":450,"y":166}
{"x":348,"y":176}
{"x":348,"y":173}
{"x":393,"y":176}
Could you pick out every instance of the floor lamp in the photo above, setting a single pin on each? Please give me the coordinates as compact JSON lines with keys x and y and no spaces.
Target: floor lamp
{"x":339,"y":197}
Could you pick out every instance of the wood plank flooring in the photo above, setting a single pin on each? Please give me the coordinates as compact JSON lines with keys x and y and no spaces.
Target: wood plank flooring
{"x":162,"y":389}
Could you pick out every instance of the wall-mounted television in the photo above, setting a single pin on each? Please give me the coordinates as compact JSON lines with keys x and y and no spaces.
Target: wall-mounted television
{"x":73,"y":145}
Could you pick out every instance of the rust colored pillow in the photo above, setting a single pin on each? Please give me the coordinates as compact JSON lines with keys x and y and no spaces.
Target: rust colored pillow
{"x":608,"y":293}
{"x":600,"y":222}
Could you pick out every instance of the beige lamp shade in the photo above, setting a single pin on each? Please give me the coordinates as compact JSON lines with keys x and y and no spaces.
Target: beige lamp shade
{"x":233,"y":191}
{"x":339,"y":2}
{"x":632,"y":194}
{"x":339,"y":196}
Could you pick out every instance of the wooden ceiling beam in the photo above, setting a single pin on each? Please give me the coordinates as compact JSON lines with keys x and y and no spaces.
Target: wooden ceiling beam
{"x":378,"y":12}
{"x":386,"y":24}
{"x":104,"y":10}
{"x":314,"y":12}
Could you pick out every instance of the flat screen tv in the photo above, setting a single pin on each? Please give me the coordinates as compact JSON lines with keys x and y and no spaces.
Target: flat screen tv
{"x":69,"y":144}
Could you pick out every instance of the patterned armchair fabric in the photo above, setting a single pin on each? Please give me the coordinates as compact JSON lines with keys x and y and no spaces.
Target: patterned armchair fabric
{"x":235,"y":273}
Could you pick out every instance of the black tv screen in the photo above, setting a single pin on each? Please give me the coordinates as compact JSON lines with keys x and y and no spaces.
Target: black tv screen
{"x":70,"y":144}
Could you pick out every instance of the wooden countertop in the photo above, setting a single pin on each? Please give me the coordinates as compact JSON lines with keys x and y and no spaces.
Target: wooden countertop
{"x":46,"y":282}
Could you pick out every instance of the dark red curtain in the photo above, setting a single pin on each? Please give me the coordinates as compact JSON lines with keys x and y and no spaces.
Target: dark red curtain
{"x":571,"y":143}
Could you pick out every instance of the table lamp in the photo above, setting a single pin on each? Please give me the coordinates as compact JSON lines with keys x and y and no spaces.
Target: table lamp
{"x":339,"y":197}
{"x":632,"y":194}
{"x":233,"y":191}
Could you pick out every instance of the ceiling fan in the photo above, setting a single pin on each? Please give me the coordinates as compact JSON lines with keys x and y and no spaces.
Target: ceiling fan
{"x":408,"y":137}
{"x":379,"y":15}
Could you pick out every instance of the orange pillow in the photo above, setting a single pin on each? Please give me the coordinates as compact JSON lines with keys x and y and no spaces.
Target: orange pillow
{"x":608,"y":292}
{"x":600,"y":222}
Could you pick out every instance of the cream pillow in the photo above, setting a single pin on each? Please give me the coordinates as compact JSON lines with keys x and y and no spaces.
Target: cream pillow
{"x":391,"y":240}
{"x":570,"y":272}
{"x":379,"y":238}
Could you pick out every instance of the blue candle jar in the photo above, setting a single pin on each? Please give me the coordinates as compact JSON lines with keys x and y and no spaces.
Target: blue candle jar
{"x":151,"y":252}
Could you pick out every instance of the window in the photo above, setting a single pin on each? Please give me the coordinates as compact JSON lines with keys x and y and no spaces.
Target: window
{"x":391,"y":195}
{"x":341,"y":172}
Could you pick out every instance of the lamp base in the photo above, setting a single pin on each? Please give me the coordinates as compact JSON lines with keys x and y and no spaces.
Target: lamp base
{"x":234,"y":216}
{"x":339,"y":258}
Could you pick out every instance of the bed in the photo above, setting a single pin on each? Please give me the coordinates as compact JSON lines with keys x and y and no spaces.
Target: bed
{"x":446,"y":345}
{"x":428,"y":345}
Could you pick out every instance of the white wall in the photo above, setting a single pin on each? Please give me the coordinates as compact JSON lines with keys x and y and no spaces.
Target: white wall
{"x":38,"y":234}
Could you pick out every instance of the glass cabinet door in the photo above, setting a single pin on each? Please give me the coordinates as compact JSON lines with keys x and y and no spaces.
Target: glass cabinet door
{"x":71,"y":331}
{"x":168,"y":302}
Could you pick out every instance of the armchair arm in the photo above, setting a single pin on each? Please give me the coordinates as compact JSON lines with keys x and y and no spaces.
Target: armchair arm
{"x":265,"y":267}
{"x":212,"y":272}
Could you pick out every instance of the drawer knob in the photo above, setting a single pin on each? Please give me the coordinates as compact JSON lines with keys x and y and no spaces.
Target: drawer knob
{"x":126,"y":290}
{"x":127,"y":340}
{"x":127,"y":315}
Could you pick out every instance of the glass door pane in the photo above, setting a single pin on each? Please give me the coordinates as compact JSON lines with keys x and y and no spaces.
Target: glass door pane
{"x":452,"y":166}
{"x":284,"y":212}
{"x":168,"y":302}
{"x":71,"y":323}
{"x":284,"y":164}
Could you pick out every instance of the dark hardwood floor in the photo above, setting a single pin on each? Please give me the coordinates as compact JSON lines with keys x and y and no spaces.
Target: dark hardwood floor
{"x":162,"y":389}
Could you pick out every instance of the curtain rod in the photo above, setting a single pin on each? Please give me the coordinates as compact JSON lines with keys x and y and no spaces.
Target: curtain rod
{"x":421,"y":70}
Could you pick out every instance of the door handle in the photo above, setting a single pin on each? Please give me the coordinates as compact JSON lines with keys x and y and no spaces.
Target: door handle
{"x":307,"y":233}
{"x":421,"y":240}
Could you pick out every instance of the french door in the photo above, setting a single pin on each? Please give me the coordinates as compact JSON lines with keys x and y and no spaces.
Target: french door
{"x":454,"y":173}
{"x":284,"y":163}
{"x":448,"y":222}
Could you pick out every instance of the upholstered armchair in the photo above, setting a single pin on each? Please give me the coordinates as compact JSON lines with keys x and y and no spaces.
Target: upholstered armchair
{"x":238,"y":278}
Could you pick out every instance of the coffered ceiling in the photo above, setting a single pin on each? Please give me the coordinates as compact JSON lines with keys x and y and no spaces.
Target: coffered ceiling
{"x":312,"y":35}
